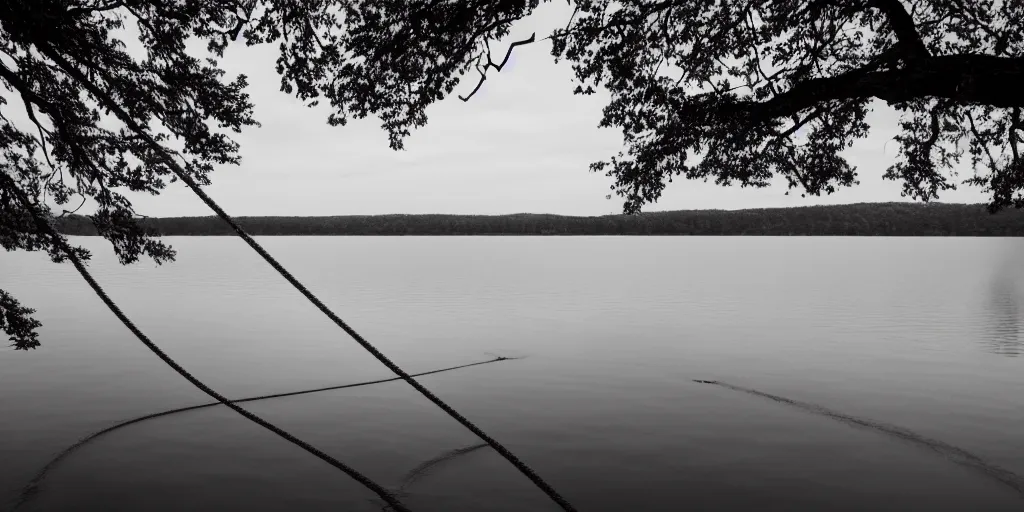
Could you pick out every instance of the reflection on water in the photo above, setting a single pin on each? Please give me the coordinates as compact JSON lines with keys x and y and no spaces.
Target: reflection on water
{"x":952,"y":453}
{"x":1002,"y":332}
{"x":886,"y":329}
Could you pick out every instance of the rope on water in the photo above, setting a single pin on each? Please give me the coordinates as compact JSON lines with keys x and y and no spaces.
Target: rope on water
{"x":178,"y":171}
{"x":45,"y":227}
{"x":33,"y":486}
{"x":953,"y":453}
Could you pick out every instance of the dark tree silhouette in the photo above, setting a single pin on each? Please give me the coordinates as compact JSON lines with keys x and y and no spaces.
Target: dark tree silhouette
{"x":742,"y":91}
{"x":865,"y":219}
{"x":104,"y":94}
{"x":16,"y":322}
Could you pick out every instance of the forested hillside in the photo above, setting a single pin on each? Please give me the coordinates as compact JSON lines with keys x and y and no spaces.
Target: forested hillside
{"x":865,"y":219}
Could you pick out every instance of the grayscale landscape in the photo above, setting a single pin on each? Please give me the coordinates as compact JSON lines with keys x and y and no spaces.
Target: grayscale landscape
{"x":512,"y":256}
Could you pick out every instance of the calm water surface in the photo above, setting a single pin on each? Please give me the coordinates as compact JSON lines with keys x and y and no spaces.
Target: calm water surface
{"x":923,"y":334}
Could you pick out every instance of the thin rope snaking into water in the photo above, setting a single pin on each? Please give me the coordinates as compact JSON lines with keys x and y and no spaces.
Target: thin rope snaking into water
{"x":493,"y":443}
{"x":180,"y":173}
{"x":45,"y":227}
{"x":33,"y":486}
{"x":953,"y":453}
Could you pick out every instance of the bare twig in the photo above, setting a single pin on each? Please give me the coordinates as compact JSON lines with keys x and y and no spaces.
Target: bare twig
{"x":1015,"y":125}
{"x":981,"y":140}
{"x":490,"y":64}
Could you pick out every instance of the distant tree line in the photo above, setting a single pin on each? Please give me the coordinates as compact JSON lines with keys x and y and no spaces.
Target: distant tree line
{"x":865,"y":219}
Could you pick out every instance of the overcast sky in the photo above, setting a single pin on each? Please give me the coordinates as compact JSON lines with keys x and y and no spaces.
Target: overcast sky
{"x":522,"y":144}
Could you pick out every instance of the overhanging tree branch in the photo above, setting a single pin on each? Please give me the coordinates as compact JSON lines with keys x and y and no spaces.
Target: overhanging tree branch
{"x":903,"y":26}
{"x":490,"y":64}
{"x":967,"y":79}
{"x":117,"y":110}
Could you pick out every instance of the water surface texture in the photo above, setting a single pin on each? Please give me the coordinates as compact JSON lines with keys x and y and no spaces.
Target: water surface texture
{"x":921,"y":335}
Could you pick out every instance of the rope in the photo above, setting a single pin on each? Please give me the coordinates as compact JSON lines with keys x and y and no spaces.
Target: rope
{"x":32,"y":487}
{"x":498,"y":447}
{"x":176,"y":168}
{"x":59,"y":242}
{"x":953,"y":453}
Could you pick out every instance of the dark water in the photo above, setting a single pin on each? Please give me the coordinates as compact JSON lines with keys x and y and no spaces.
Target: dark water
{"x":923,"y":335}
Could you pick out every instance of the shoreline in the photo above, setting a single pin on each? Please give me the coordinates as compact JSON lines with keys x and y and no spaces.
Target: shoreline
{"x":860,"y":219}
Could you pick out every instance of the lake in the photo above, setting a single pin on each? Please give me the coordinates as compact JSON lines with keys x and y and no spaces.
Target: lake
{"x":919,"y":335}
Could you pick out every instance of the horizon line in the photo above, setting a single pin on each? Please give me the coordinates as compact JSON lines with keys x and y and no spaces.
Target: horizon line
{"x":639,"y":214}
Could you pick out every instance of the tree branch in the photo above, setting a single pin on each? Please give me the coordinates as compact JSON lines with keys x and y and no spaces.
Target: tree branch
{"x":965,"y":79}
{"x":903,"y":26}
{"x":981,"y":141}
{"x":490,"y":63}
{"x":1015,"y":125}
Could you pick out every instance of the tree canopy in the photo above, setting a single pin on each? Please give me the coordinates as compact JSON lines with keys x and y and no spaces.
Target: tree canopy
{"x":103,"y":95}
